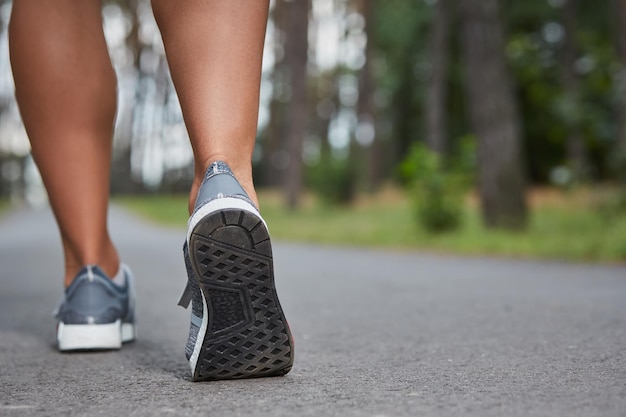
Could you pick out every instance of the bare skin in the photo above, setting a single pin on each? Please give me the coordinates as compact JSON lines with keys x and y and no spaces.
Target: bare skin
{"x":214,"y":49}
{"x":66,"y":90}
{"x":65,"y":87}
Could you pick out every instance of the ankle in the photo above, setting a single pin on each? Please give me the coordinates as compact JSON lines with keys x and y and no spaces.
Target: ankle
{"x":106,"y":258}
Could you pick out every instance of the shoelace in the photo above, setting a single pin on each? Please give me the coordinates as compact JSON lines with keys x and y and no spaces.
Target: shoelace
{"x":185,"y":298}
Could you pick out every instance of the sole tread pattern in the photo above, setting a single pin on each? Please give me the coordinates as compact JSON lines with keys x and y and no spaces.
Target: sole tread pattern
{"x":247,"y":334}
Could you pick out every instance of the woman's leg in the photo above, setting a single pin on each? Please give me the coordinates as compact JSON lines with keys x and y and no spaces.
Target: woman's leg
{"x":214,"y":49}
{"x":66,"y":91}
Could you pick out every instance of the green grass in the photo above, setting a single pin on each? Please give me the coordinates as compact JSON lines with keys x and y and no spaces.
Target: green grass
{"x":162,"y":209}
{"x":562,"y":226}
{"x":4,"y":205}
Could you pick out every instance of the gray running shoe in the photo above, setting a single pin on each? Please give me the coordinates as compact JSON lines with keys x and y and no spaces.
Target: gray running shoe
{"x":96,"y":313}
{"x":238,"y":328}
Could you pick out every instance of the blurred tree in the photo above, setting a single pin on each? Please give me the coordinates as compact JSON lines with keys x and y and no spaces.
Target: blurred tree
{"x":575,"y":143}
{"x":366,"y":127}
{"x":535,"y":50}
{"x":569,"y":72}
{"x":296,"y":58}
{"x":122,"y":180}
{"x":437,"y":87}
{"x":5,"y":103}
{"x":535,"y":70}
{"x":620,"y":30}
{"x":272,"y":139}
{"x":493,"y":115}
{"x":401,"y":33}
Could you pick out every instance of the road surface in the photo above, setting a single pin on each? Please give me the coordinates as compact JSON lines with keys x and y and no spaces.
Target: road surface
{"x":377,"y":333}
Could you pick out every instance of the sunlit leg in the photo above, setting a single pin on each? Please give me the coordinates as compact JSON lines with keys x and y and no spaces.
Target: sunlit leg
{"x":214,"y":49}
{"x":65,"y":87}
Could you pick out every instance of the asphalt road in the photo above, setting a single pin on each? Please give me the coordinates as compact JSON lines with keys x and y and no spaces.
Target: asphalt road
{"x":377,"y":334}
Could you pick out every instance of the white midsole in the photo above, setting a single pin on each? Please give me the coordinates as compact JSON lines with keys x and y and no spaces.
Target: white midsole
{"x":217,"y":205}
{"x":193,"y":359}
{"x":129,"y":332}
{"x":94,"y":336}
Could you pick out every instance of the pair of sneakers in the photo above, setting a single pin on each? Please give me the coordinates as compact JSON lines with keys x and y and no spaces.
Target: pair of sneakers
{"x":237,"y":329}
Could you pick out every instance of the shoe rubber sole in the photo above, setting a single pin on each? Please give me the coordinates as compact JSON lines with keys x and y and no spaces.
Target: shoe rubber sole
{"x":94,"y":336}
{"x":244,"y":332}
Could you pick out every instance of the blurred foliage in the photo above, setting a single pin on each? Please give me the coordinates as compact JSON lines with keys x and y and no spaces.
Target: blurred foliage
{"x":400,"y":37}
{"x":332,"y":180}
{"x":398,"y":33}
{"x":437,"y":188}
{"x":564,"y":225}
{"x":534,"y":46}
{"x":617,"y":163}
{"x":4,"y":204}
{"x":612,"y":207}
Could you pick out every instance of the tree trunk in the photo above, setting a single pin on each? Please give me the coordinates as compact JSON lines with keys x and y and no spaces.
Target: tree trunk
{"x":273,"y":144}
{"x":296,"y":52}
{"x":576,"y":149}
{"x":362,"y":158}
{"x":122,"y":180}
{"x":404,"y":130}
{"x":620,"y":13}
{"x":494,"y":117}
{"x":365,"y":105}
{"x":273,"y":171}
{"x":437,"y":88}
{"x":367,"y":116}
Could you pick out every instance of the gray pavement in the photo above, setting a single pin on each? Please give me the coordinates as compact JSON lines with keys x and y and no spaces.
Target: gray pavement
{"x":377,"y":333}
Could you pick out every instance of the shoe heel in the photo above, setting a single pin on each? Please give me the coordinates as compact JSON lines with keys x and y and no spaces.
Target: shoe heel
{"x":246,"y":334}
{"x":129,"y":332}
{"x":89,"y":336}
